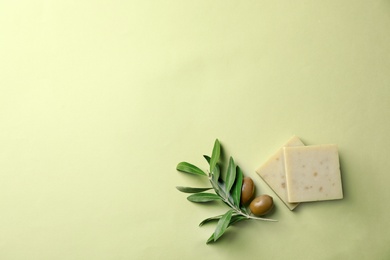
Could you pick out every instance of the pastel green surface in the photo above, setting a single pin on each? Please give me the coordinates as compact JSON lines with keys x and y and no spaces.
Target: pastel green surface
{"x":99,"y":101}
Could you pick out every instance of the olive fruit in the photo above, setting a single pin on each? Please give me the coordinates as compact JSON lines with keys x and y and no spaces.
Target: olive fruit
{"x":261,"y":205}
{"x":247,"y":190}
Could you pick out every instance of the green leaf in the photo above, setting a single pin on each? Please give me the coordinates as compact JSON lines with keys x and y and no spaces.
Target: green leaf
{"x":215,"y":155}
{"x":222,"y":225}
{"x":207,"y":220}
{"x":203,"y":197}
{"x":208,"y":158}
{"x":190,"y":168}
{"x":237,"y":218}
{"x":219,"y":187}
{"x":236,"y":189}
{"x":217,"y":170}
{"x":216,"y":173}
{"x":191,"y":190}
{"x":231,"y":175}
{"x":233,"y":220}
{"x":211,"y":239}
{"x":244,"y":210}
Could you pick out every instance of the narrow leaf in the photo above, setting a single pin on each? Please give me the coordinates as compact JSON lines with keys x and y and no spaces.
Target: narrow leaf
{"x":215,"y":155}
{"x":217,"y":170}
{"x":230,"y":175}
{"x":190,"y":168}
{"x":208,"y":158}
{"x":237,"y":218}
{"x":207,"y":220}
{"x":216,"y":173}
{"x":211,"y":239}
{"x":191,"y":190}
{"x":244,"y":210}
{"x":233,"y":220}
{"x":203,"y":197}
{"x":222,"y":225}
{"x":219,"y":187}
{"x":236,"y":189}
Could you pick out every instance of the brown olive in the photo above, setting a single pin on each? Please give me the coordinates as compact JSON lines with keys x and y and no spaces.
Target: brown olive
{"x":261,"y":205}
{"x":247,"y":190}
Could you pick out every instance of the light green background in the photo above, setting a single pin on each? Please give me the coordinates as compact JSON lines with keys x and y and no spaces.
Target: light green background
{"x":99,"y":100}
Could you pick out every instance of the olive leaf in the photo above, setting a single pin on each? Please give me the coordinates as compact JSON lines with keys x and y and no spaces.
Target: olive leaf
{"x":207,"y":220}
{"x":244,"y":210}
{"x":190,"y":168}
{"x":208,"y":158}
{"x":203,"y":197}
{"x":211,"y":239}
{"x":222,"y":225}
{"x":215,"y":155}
{"x":236,"y":189}
{"x":219,"y":188}
{"x":216,"y":173}
{"x":230,"y":175}
{"x":233,"y":220}
{"x":217,"y":170}
{"x":191,"y":190}
{"x":237,"y":218}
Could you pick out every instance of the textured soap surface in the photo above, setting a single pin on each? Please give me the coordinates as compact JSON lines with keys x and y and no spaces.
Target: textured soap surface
{"x":273,"y":172}
{"x":312,"y":173}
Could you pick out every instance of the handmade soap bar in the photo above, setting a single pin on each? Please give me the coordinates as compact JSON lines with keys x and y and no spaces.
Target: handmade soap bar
{"x":273,"y":172}
{"x":313,"y":173}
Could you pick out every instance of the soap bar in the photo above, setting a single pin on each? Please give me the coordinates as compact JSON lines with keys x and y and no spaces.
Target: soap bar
{"x":273,"y":172}
{"x":312,"y":173}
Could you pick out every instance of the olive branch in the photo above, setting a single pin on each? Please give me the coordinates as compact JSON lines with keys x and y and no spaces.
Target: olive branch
{"x":227,"y":190}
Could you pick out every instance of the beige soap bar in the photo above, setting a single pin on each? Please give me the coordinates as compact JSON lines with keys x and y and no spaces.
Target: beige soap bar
{"x":313,"y":173}
{"x":273,"y":172}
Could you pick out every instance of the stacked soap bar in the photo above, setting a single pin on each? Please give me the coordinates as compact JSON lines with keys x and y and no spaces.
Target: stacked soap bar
{"x":274,"y":174}
{"x":299,"y":173}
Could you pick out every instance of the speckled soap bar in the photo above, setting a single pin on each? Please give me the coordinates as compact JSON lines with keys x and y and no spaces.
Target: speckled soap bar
{"x":312,"y":173}
{"x":273,"y":172}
